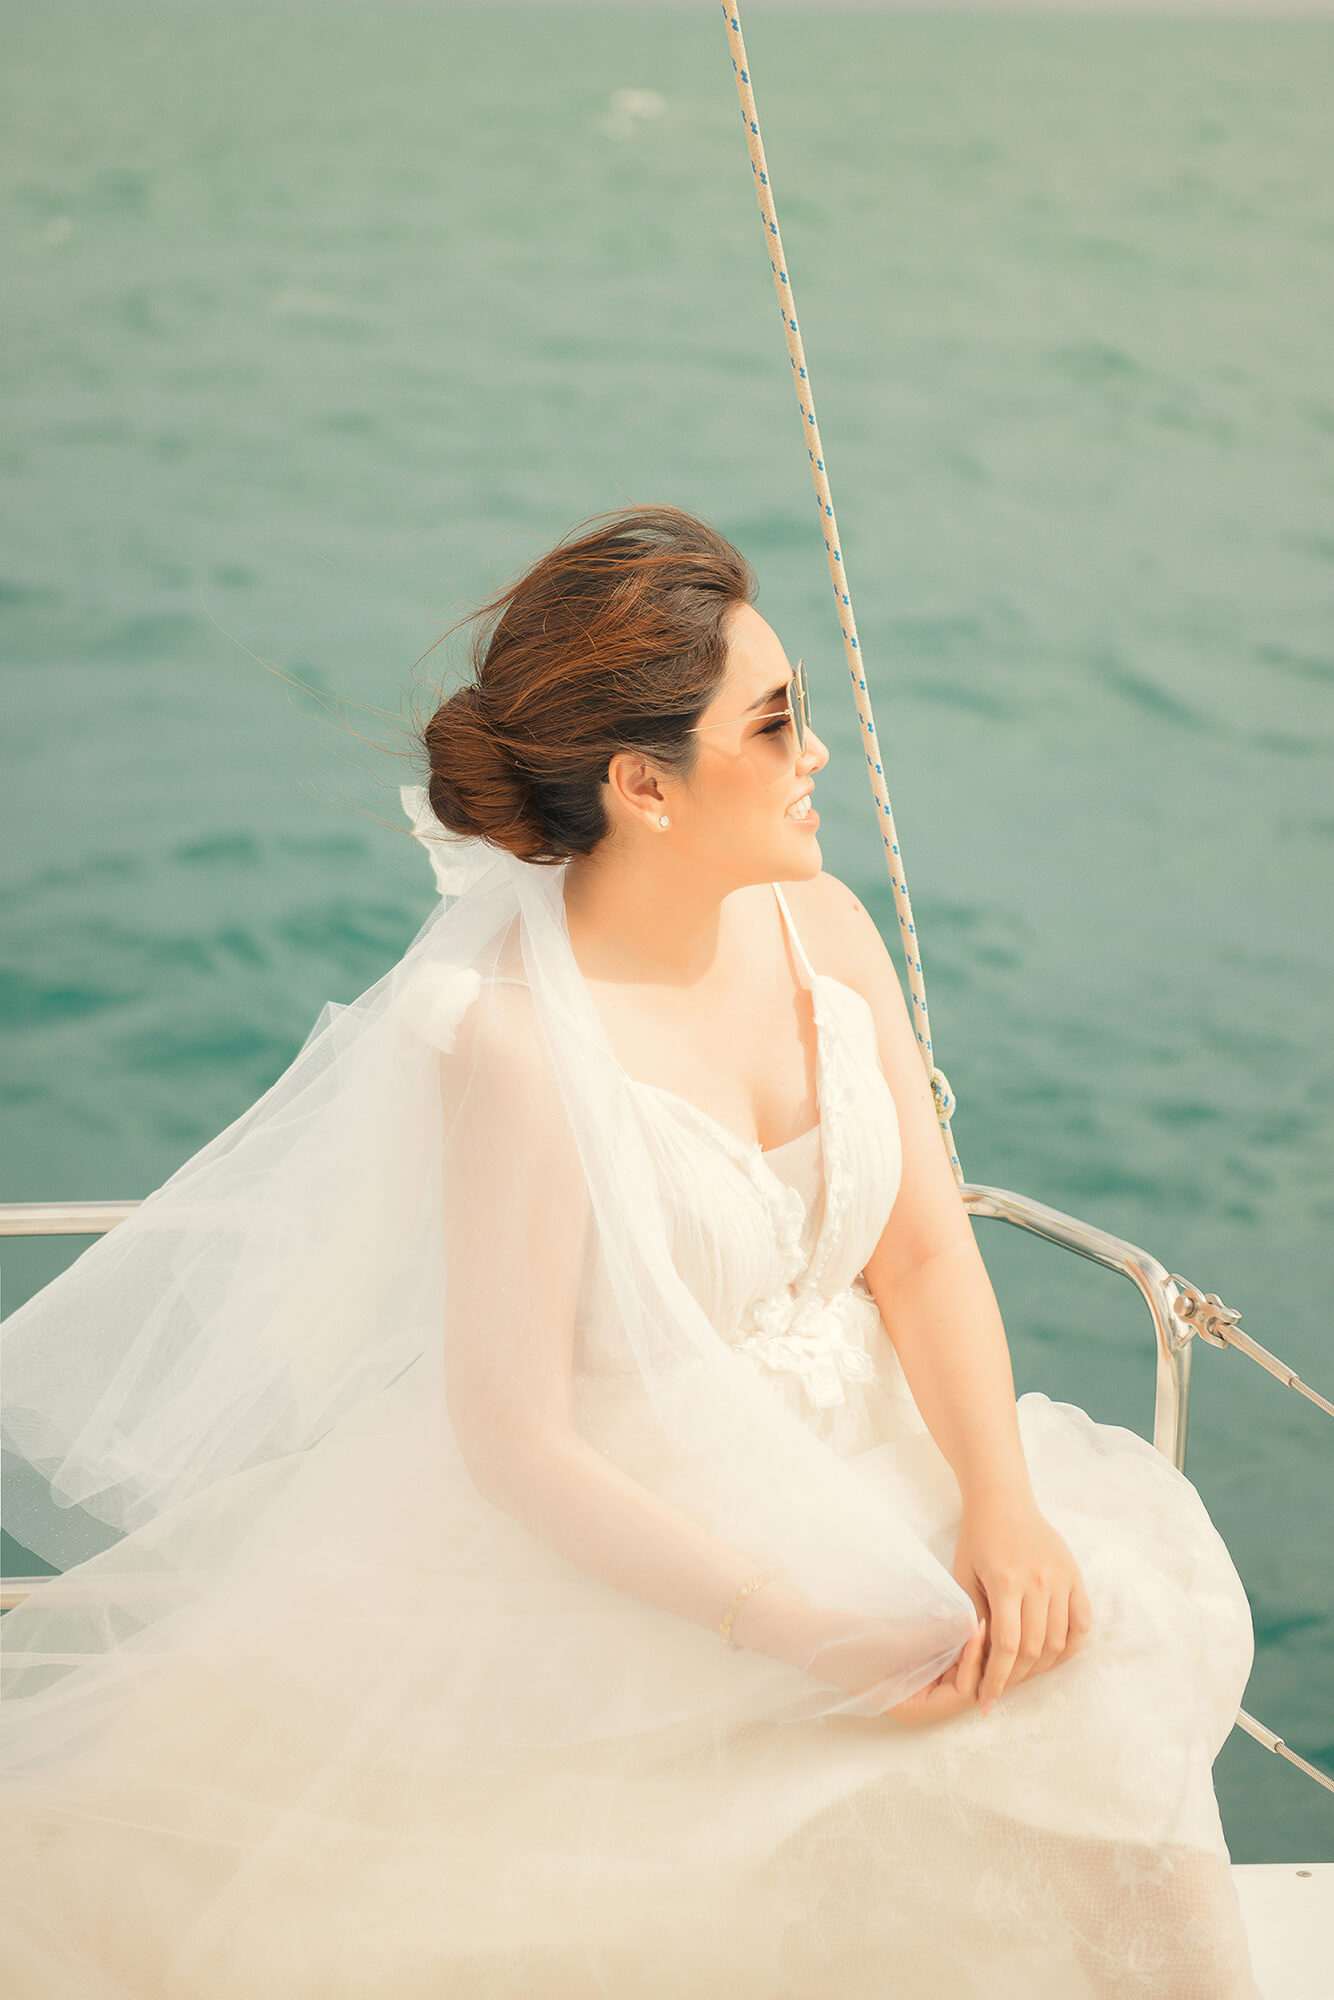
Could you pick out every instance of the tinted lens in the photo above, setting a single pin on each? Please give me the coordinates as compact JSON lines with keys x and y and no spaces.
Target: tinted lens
{"x":800,"y":704}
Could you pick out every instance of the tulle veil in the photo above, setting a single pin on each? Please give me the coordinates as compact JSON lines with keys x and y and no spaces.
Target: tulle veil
{"x":405,"y":1221}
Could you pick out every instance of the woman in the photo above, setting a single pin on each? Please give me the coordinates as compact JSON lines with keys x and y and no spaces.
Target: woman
{"x":544,"y":1508}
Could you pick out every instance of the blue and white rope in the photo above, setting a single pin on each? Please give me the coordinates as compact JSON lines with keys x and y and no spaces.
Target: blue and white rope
{"x":940,"y":1089}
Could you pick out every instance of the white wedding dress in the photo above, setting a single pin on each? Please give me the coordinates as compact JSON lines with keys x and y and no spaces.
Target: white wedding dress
{"x":267,"y":1819}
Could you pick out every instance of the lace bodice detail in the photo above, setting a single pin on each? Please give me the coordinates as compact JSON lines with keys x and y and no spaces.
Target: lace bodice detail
{"x":772,"y":1242}
{"x":799,"y":1163}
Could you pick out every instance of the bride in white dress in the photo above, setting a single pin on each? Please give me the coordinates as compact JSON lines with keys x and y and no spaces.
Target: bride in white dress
{"x":542,"y":1501}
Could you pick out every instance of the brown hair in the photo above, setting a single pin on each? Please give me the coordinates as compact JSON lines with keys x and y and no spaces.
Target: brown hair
{"x":614,"y":640}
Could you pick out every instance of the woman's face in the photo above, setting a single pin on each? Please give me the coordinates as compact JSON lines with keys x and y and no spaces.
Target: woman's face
{"x":733,"y":814}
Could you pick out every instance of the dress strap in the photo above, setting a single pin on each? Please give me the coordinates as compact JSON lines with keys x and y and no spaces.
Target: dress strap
{"x":792,"y":932}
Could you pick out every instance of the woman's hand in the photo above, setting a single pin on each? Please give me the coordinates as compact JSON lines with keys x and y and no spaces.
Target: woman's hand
{"x":956,"y":1688}
{"x":862,"y":1654}
{"x":953,"y":1689}
{"x":1020,"y":1572}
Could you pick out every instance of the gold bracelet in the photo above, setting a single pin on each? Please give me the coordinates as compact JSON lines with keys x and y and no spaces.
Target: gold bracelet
{"x":725,"y":1622}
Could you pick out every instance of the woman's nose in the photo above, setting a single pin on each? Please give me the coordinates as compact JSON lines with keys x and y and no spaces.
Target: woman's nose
{"x":814,"y":751}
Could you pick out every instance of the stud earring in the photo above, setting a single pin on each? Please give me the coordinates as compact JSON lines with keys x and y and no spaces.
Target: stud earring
{"x":663,"y":820}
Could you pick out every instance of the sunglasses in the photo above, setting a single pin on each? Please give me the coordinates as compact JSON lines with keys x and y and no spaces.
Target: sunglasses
{"x":797,"y":712}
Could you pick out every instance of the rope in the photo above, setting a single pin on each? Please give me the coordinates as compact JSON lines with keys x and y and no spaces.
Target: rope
{"x":940,"y":1089}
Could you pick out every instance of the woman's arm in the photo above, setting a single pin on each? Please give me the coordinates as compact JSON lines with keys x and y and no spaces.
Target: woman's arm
{"x":517,"y":1222}
{"x":939,"y":1309}
{"x":926,"y":1272}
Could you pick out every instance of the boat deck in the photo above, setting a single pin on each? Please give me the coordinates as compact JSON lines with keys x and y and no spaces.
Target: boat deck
{"x":1289,"y":1912}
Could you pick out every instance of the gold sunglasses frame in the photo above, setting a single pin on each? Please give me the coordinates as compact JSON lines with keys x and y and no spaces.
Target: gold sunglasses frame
{"x":798,"y":708}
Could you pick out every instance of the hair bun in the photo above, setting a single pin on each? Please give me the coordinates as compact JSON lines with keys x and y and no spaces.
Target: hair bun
{"x":475,"y":787}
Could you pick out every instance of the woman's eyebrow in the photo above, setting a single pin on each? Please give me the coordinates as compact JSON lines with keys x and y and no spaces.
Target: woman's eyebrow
{"x":772,"y":695}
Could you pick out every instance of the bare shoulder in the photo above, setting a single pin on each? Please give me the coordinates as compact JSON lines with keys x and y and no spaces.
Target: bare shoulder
{"x":838,"y":930}
{"x":928,"y":1216}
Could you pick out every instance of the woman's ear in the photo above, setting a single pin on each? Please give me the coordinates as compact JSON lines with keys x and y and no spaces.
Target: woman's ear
{"x":636,"y":786}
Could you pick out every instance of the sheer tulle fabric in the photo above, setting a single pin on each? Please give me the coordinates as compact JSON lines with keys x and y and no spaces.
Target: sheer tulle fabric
{"x":353,"y":1688}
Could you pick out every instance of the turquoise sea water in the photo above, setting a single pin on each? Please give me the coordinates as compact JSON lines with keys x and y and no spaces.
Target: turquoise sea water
{"x":324,"y":320}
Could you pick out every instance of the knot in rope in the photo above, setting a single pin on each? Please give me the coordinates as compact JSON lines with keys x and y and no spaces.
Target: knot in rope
{"x":944,"y":1096}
